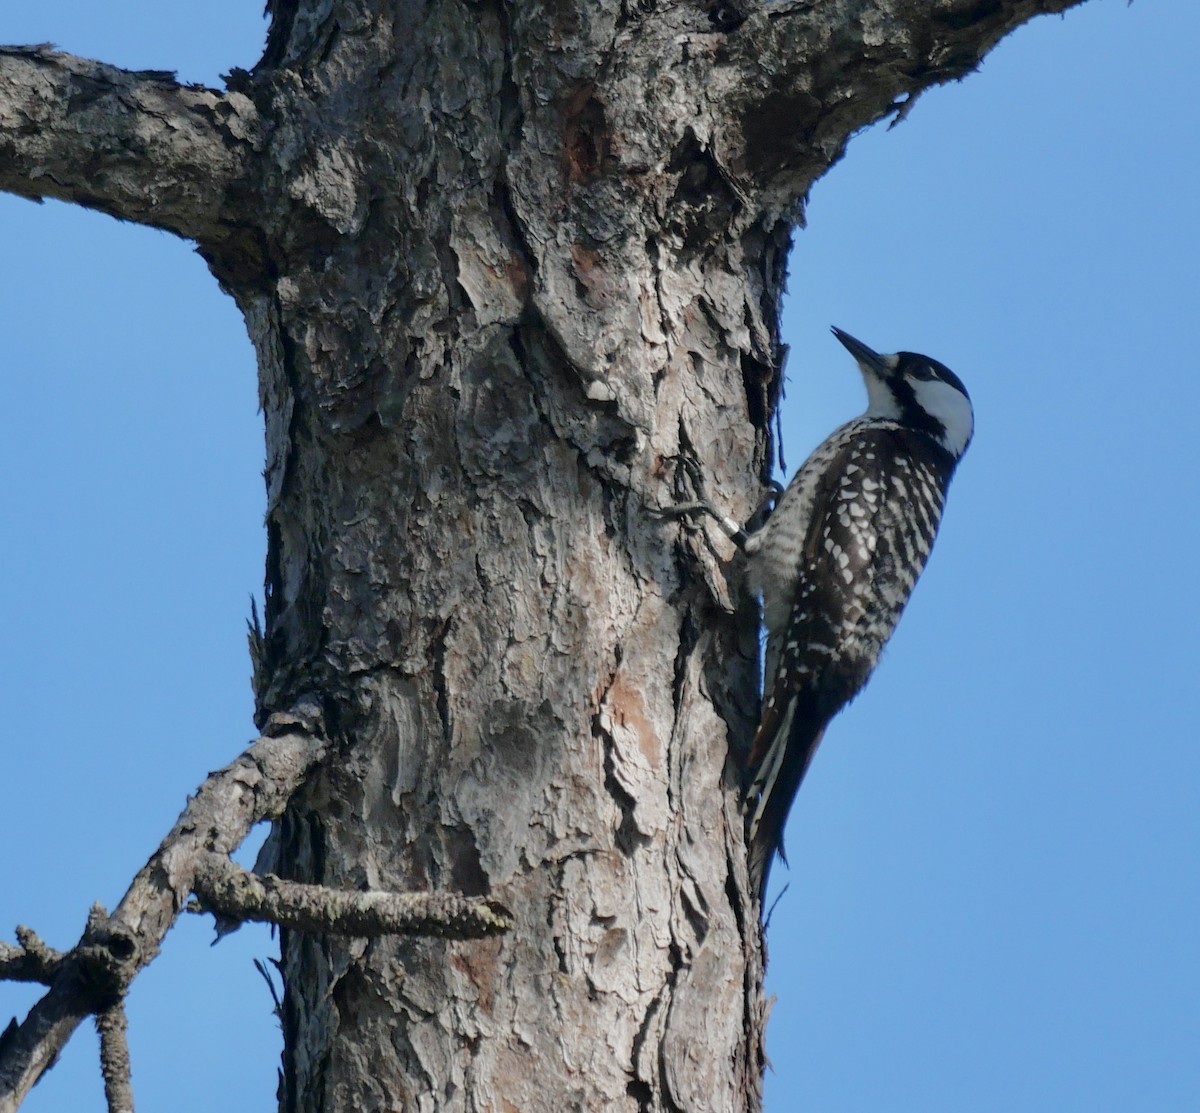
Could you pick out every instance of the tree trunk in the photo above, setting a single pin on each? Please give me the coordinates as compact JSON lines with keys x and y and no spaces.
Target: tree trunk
{"x":506,"y":298}
{"x":507,"y":267}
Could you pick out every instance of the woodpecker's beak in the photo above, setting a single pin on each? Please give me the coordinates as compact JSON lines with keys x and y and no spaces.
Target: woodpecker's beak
{"x":868,"y":358}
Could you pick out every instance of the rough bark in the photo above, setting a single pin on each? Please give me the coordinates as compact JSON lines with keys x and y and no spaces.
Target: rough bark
{"x":503,"y":264}
{"x":114,"y":1059}
{"x":137,"y":145}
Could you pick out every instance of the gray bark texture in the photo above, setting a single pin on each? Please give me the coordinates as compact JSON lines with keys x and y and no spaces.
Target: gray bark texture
{"x":504,"y":265}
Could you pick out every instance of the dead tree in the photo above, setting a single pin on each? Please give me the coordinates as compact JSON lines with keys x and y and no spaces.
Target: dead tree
{"x":512,"y":272}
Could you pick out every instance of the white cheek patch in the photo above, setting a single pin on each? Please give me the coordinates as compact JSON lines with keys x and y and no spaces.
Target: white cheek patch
{"x":952,"y":408}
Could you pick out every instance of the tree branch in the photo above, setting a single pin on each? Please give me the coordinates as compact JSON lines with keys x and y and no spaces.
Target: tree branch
{"x":31,"y":960}
{"x":797,"y":79}
{"x":94,"y":976}
{"x":136,"y":145}
{"x":114,"y":1059}
{"x":225,"y":888}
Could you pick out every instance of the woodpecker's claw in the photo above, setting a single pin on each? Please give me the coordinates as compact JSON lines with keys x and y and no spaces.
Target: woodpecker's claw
{"x":695,"y":475}
{"x":695,"y":479}
{"x":700,"y":505}
{"x":682,"y":510}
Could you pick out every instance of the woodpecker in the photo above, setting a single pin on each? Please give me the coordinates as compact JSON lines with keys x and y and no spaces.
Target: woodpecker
{"x":836,"y":561}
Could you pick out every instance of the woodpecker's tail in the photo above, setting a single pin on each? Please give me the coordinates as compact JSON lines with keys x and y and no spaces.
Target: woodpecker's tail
{"x":779,"y":759}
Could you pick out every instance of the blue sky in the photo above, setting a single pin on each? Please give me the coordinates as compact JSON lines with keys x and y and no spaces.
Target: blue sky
{"x":993,"y":896}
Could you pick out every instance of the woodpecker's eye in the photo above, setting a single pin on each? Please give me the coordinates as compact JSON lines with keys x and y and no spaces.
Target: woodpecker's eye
{"x":921,"y":371}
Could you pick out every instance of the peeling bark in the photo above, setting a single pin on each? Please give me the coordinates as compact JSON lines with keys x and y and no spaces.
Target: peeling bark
{"x":504,"y":265}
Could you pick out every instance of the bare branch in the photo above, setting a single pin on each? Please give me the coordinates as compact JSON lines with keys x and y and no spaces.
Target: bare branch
{"x":114,"y":1059}
{"x":31,"y":960}
{"x":797,"y":79}
{"x":236,"y":893}
{"x":30,"y":1049}
{"x":113,"y":949}
{"x":90,"y":978}
{"x":137,"y":145}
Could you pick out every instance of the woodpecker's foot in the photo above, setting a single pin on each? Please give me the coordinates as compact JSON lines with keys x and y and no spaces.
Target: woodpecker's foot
{"x":687,"y":509}
{"x":682,"y":510}
{"x":700,"y":505}
{"x":687,"y":467}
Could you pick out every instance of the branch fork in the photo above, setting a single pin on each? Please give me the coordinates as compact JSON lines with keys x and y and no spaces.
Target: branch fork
{"x":93,"y":977}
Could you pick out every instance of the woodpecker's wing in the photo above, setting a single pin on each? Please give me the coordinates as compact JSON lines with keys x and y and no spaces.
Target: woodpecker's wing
{"x":778,"y":550}
{"x":875,"y":510}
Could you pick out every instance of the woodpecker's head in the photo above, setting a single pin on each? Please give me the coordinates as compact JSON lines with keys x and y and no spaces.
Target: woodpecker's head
{"x":916,"y":391}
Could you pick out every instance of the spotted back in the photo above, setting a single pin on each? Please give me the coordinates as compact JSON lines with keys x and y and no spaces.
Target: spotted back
{"x":863,"y":521}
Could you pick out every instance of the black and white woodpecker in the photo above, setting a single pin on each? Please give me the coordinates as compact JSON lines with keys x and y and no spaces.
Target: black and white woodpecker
{"x":836,"y":562}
